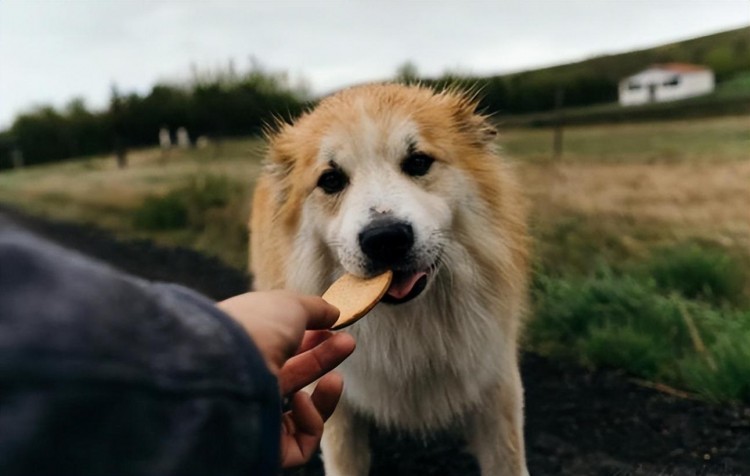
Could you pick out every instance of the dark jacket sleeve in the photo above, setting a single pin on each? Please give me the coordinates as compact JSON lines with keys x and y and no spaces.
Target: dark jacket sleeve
{"x":103,"y":373}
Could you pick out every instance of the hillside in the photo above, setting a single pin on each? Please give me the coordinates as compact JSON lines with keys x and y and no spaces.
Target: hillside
{"x":595,"y":80}
{"x":233,"y":105}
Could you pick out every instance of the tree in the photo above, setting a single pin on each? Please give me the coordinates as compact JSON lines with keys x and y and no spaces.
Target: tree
{"x":119,"y":131}
{"x":407,"y":73}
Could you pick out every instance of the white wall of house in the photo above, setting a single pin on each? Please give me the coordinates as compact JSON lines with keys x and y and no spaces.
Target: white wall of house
{"x":658,"y":85}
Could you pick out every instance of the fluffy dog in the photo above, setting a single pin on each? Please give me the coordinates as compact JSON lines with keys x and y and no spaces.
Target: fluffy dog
{"x":405,"y":178}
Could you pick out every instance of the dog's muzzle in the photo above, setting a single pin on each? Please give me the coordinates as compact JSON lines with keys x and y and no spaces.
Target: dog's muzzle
{"x":388,"y":244}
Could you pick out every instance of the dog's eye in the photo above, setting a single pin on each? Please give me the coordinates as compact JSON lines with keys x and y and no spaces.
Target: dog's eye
{"x":333,"y":181}
{"x":417,"y":164}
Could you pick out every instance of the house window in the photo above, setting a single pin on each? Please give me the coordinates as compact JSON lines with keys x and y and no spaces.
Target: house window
{"x":633,"y":86}
{"x":673,"y":81}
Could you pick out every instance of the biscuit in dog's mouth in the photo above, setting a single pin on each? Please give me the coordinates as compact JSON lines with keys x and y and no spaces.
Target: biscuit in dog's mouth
{"x":405,"y":287}
{"x":355,"y":296}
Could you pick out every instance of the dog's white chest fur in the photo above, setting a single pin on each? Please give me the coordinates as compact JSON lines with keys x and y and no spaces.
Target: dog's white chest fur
{"x":423,"y":365}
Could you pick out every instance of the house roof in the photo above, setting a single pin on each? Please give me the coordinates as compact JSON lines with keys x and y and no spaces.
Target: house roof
{"x":675,"y":68}
{"x":680,"y":67}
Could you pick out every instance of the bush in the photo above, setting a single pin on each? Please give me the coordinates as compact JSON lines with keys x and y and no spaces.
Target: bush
{"x":206,"y":193}
{"x":161,"y":213}
{"x":698,"y":273}
{"x":186,"y":206}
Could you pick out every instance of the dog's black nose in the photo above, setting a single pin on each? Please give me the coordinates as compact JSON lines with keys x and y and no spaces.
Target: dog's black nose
{"x":386,"y":243}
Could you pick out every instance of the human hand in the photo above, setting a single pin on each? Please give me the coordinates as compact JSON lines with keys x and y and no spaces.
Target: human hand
{"x":277,"y":320}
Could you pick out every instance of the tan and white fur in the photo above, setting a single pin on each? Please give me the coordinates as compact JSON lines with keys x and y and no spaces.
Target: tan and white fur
{"x":447,"y":358}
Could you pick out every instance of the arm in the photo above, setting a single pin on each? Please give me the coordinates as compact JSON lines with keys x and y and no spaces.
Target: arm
{"x":101,"y":373}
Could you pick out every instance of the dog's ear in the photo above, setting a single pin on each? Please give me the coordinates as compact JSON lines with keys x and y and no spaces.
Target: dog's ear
{"x":279,"y":162}
{"x":470,"y":121}
{"x":478,"y":127}
{"x":485,"y":130}
{"x":278,"y":168}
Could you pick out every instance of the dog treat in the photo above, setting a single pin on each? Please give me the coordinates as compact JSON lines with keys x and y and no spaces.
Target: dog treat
{"x":355,"y":296}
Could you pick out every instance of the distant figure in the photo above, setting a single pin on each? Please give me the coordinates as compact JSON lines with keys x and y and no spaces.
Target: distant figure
{"x":121,"y":152}
{"x":202,"y":142}
{"x":183,"y":139}
{"x":17,"y":157}
{"x":165,"y":141}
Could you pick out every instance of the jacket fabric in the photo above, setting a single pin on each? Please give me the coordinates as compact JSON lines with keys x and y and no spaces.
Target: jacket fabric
{"x":105,"y":373}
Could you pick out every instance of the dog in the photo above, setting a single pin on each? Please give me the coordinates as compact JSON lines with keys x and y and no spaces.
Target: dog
{"x":389,"y":176}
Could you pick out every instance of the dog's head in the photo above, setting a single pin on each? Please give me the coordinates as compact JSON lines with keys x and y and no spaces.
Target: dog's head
{"x":376,"y":177}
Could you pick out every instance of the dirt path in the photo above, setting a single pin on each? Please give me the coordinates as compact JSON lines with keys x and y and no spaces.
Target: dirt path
{"x":578,"y":422}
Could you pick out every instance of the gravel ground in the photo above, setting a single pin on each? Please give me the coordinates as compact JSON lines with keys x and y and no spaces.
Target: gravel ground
{"x":578,"y":422}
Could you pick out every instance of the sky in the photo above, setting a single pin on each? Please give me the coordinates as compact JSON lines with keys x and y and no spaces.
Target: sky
{"x":52,"y":51}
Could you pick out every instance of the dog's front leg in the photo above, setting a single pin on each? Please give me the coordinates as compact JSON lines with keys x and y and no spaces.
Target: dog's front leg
{"x":495,"y":432}
{"x":345,"y":443}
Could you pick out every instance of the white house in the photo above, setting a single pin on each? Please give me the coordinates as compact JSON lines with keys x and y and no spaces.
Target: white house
{"x":666,"y":82}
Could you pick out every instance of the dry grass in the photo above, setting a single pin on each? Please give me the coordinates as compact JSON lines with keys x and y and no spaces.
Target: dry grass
{"x":95,"y":190}
{"x":710,"y":140}
{"x":706,"y":201}
{"x":618,"y":191}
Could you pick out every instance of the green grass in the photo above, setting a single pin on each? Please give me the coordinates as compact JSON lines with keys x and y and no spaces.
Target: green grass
{"x":729,"y":99}
{"x":738,"y":84}
{"x":626,"y":321}
{"x":710,"y":140}
{"x":186,"y":206}
{"x":203,"y":212}
{"x":630,"y":293}
{"x":161,"y":213}
{"x":700,"y":273}
{"x":197,"y":198}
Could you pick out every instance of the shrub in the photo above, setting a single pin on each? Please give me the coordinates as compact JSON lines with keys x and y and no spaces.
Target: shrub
{"x":161,"y":213}
{"x":580,"y":310}
{"x":698,"y":273}
{"x":207,"y":191}
{"x":186,"y":206}
{"x":205,"y":196}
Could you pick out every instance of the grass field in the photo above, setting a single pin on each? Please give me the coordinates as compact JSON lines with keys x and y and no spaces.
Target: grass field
{"x":722,"y":139}
{"x":642,"y":235}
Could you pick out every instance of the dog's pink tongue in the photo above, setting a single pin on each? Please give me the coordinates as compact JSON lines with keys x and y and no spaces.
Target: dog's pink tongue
{"x":401,"y":286}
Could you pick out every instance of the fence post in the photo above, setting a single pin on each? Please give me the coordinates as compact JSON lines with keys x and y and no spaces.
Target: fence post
{"x":17,"y":157}
{"x":557,"y":140}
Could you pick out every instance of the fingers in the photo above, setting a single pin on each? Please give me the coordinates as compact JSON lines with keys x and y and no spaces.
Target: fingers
{"x":320,"y":314}
{"x":313,"y":338}
{"x":327,"y":393}
{"x":306,"y":367}
{"x":277,"y":320}
{"x":308,"y":312}
{"x":302,"y":427}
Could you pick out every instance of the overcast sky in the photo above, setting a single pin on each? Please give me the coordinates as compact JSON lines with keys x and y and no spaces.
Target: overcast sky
{"x":54,"y":50}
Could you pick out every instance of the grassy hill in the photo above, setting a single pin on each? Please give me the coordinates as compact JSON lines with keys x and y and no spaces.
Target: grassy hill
{"x":730,"y":98}
{"x":594,"y":81}
{"x":727,"y":53}
{"x":236,"y":106}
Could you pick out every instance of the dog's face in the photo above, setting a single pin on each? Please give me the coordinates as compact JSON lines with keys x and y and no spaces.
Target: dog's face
{"x":383,"y":179}
{"x":386,"y":198}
